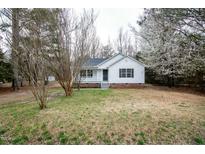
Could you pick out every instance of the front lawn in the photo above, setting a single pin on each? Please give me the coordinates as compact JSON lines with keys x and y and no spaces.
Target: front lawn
{"x":114,"y":116}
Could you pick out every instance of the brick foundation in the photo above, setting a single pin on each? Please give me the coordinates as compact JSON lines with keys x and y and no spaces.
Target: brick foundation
{"x":126,"y":85}
{"x":113,"y":85}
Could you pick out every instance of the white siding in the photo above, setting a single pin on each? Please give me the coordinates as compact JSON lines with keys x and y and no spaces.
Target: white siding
{"x":126,"y":63}
{"x":99,"y":75}
{"x":113,"y":66}
{"x":51,"y":78}
{"x":111,"y":61}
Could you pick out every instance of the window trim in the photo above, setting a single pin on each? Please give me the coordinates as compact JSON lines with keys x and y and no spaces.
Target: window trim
{"x":89,"y":73}
{"x":131,"y":73}
{"x":83,"y":73}
{"x":86,"y":73}
{"x":123,"y":73}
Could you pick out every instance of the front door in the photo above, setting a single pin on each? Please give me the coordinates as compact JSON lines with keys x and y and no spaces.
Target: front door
{"x":105,"y":75}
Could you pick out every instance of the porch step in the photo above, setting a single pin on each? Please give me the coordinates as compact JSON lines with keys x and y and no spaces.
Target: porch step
{"x":105,"y":85}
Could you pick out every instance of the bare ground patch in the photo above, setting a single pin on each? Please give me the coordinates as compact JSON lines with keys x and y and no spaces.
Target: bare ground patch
{"x":7,"y":95}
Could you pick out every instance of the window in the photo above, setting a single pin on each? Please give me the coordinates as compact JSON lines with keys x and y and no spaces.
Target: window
{"x":86,"y":73}
{"x":130,"y":73}
{"x":83,"y":73}
{"x":126,"y":73}
{"x":122,"y":73}
{"x":89,"y":73}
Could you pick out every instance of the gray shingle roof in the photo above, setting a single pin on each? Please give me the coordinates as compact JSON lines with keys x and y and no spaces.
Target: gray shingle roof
{"x":94,"y":61}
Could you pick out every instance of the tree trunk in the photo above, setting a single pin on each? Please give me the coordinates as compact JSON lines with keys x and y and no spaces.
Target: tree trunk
{"x":46,"y":81}
{"x":15,"y":84}
{"x":173,"y":82}
{"x":40,"y":93}
{"x":29,"y":81}
{"x":198,"y":79}
{"x":42,"y":104}
{"x":79,"y":85}
{"x":21,"y":83}
{"x":169,"y":82}
{"x":68,"y":89}
{"x":15,"y":47}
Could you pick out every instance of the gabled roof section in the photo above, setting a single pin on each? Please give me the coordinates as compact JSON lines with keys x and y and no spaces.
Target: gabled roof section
{"x":109,"y":58}
{"x":124,"y":56}
{"x":136,"y":61}
{"x":94,"y":62}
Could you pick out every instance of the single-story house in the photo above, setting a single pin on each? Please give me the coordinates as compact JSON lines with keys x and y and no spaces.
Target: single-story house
{"x":117,"y":71}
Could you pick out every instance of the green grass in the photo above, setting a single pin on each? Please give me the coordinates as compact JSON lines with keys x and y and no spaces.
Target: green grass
{"x":63,"y":138}
{"x":1,"y":141}
{"x":28,"y":119}
{"x":199,"y":140}
{"x":20,"y":139}
{"x":2,"y":130}
{"x":95,"y":116}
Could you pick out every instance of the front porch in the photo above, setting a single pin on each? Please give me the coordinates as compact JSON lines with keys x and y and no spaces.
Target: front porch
{"x":94,"y":75}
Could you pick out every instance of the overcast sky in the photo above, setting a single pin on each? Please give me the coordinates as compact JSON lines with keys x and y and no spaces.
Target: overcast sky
{"x":110,"y":20}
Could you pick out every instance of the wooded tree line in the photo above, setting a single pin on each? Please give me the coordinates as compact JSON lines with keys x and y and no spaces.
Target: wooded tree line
{"x":172,"y":44}
{"x":5,"y":67}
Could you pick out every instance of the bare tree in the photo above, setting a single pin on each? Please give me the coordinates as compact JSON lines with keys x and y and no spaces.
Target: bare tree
{"x":33,"y":44}
{"x":125,"y":43}
{"x":27,"y":43}
{"x":73,"y":37}
{"x":107,"y":50}
{"x":35,"y":68}
{"x":120,"y":40}
{"x":95,"y":44}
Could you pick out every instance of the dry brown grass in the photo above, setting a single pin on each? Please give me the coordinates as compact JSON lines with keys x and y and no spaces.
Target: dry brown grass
{"x":151,"y":115}
{"x":157,"y":109}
